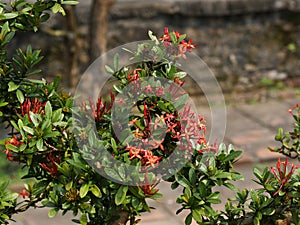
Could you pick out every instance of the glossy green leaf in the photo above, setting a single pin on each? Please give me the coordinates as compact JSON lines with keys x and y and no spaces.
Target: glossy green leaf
{"x":182,"y":180}
{"x":48,"y":110}
{"x":39,"y":144}
{"x":181,"y":101}
{"x":188,"y":219}
{"x":11,"y":15}
{"x":12,"y":86}
{"x":3,"y":104}
{"x":96,"y":191}
{"x":20,"y":96}
{"x":116,"y":61}
{"x":279,"y":135}
{"x":232,"y":156}
{"x":109,"y":69}
{"x":197,"y":215}
{"x":57,"y":8}
{"x":53,"y":212}
{"x":121,"y":195}
{"x":28,"y":130}
{"x":84,"y":189}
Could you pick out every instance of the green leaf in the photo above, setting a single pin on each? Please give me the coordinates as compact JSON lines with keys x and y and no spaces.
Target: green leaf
{"x":232,"y":156}
{"x":83,"y":219}
{"x":3,"y":104}
{"x":39,"y":144}
{"x":116,"y":62}
{"x":28,"y":130}
{"x":113,"y":145}
{"x":117,"y":89}
{"x":188,"y":219}
{"x":187,"y":192}
{"x":20,"y":96}
{"x":13,"y":123}
{"x":214,"y":198}
{"x":197,"y":215}
{"x":48,"y":110}
{"x":109,"y":69}
{"x":48,"y":203}
{"x":152,"y":37}
{"x":11,"y":15}
{"x":181,"y":101}
{"x":69,"y":2}
{"x":121,"y":195}
{"x":230,"y":186}
{"x":58,"y":8}
{"x":180,"y":75}
{"x":96,"y":191}
{"x":173,"y":37}
{"x":256,"y":221}
{"x":181,"y":38}
{"x":12,"y":86}
{"x":57,"y":116}
{"x":192,"y":176}
{"x":279,"y":135}
{"x":257,"y":173}
{"x":84,"y":189}
{"x":182,"y":180}
{"x":35,"y":81}
{"x":53,"y":212}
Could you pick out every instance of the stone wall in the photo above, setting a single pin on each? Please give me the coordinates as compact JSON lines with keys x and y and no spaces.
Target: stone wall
{"x":242,"y":41}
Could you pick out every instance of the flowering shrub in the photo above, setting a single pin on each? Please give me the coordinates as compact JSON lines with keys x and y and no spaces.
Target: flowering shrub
{"x":99,"y":164}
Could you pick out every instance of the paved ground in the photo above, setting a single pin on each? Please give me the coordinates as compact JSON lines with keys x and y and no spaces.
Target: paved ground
{"x":249,"y":127}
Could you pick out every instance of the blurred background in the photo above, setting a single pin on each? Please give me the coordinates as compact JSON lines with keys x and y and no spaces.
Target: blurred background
{"x":252,"y":46}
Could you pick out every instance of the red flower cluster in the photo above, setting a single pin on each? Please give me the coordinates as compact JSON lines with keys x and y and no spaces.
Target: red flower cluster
{"x":149,"y":188}
{"x":283,"y":173}
{"x":35,"y":106}
{"x":101,"y":108}
{"x":51,"y":164}
{"x":183,"y":46}
{"x":15,"y":141}
{"x":189,"y":129}
{"x":146,"y":156}
{"x":194,"y":128}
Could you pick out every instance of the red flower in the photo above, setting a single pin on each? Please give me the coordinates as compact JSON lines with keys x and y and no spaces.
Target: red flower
{"x":178,"y":81}
{"x":166,"y":36}
{"x":188,"y":45}
{"x":24,"y":193}
{"x":35,"y":106}
{"x":293,"y":108}
{"x":149,"y":188}
{"x":146,"y":156}
{"x":283,"y":173}
{"x":134,"y":152}
{"x":181,"y":47}
{"x":153,"y":160}
{"x":9,"y":154}
{"x":51,"y":164}
{"x":101,"y":108}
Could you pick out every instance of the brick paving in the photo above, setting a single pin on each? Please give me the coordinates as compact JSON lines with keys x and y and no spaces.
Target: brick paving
{"x":249,"y":127}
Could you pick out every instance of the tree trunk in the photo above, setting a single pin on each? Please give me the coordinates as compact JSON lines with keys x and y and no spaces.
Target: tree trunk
{"x":99,"y":27}
{"x":73,"y":46}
